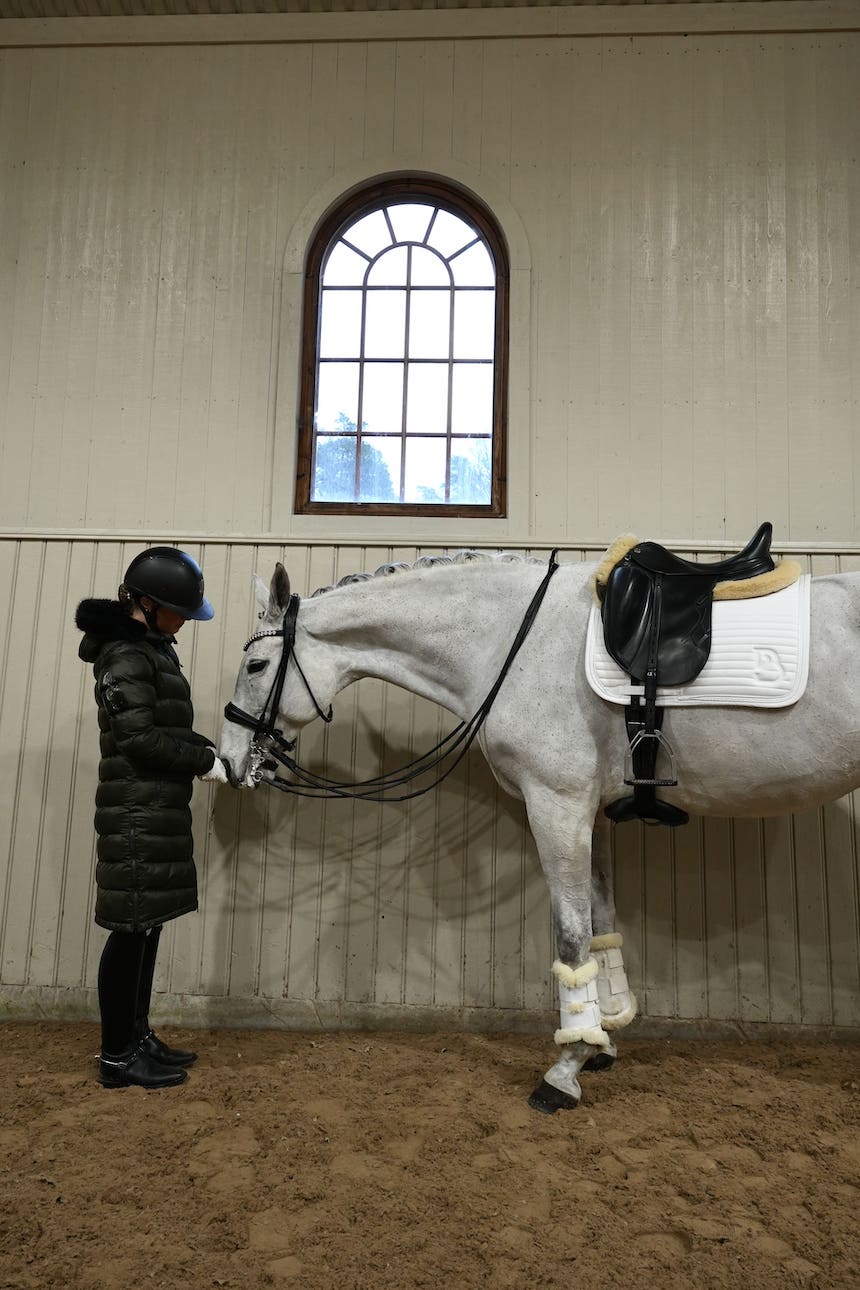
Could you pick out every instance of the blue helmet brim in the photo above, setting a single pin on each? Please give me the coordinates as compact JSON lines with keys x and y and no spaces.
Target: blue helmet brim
{"x":203,"y":614}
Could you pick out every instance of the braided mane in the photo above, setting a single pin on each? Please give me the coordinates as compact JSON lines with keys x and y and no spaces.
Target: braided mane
{"x":468,"y":556}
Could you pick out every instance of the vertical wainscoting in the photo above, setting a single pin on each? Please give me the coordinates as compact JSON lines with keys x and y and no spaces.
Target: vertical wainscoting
{"x":414,"y":913}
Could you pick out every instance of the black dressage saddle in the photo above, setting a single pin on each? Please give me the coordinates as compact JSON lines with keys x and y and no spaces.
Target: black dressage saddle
{"x":656,"y":610}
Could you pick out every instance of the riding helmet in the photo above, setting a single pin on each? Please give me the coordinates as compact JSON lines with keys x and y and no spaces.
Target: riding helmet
{"x":171,"y":578}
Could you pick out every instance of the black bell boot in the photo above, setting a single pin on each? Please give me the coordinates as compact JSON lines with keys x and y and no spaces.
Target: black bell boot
{"x":137,"y":1067}
{"x":163,"y":1054}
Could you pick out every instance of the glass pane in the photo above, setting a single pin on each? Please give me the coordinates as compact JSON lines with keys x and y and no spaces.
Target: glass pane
{"x":425,"y":470}
{"x":471,"y":471}
{"x":370,"y":233}
{"x":337,"y":396}
{"x":380,"y":470}
{"x":429,"y":322}
{"x":344,"y":268}
{"x":410,"y":221}
{"x":474,"y":268}
{"x":472,"y":399}
{"x":449,"y":233}
{"x":385,"y":326}
{"x":474,"y":324}
{"x":389,"y":270}
{"x":428,"y":269}
{"x":382,"y":404}
{"x":334,"y":470}
{"x":340,"y":324}
{"x":427,"y":399}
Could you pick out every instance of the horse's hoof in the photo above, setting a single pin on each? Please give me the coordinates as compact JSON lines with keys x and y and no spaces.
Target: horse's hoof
{"x":599,"y":1062}
{"x":549,"y":1099}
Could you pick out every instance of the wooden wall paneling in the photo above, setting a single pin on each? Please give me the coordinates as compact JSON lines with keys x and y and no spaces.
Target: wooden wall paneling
{"x":803,"y":241}
{"x":616,"y":501}
{"x":651,"y":105}
{"x":24,"y":704}
{"x":15,"y":74}
{"x":55,"y":733}
{"x":31,"y":295}
{"x":718,"y":861}
{"x":583,"y":385}
{"x":467,"y":102}
{"x":539,"y":166}
{"x":708,"y":292}
{"x":679,"y":147}
{"x":379,"y":99}
{"x":690,"y":920}
{"x":350,"y":96}
{"x":409,"y":86}
{"x":782,"y":920}
{"x":751,"y":920}
{"x":171,"y":488}
{"x":437,"y":128}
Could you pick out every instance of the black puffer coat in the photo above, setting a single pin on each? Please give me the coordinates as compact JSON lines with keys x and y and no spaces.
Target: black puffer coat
{"x":149,"y":758}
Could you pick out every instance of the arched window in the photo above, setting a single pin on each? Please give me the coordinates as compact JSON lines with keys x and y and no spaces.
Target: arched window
{"x":404,"y":356}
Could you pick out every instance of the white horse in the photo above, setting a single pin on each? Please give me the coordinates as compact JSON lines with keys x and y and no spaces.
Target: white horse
{"x":442,"y":629}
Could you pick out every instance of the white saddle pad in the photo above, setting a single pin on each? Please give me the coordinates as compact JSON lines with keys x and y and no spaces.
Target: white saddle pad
{"x":759,"y":656}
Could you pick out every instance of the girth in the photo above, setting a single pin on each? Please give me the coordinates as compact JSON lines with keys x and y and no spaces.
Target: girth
{"x":656,"y":611}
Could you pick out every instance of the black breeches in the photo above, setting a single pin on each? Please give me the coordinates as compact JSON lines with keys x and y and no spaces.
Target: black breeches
{"x":126,"y":972}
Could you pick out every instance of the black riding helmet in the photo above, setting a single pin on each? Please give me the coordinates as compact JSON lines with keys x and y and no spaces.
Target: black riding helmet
{"x":171,"y":578}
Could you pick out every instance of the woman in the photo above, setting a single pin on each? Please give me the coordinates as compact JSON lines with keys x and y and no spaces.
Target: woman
{"x":149,"y":757}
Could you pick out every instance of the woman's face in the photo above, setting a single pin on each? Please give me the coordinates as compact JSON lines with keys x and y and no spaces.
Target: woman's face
{"x":166,"y":620}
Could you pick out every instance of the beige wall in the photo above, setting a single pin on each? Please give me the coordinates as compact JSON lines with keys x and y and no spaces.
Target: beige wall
{"x":683,"y":213}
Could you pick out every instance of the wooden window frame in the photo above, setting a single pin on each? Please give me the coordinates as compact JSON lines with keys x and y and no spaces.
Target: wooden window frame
{"x":457,"y":201}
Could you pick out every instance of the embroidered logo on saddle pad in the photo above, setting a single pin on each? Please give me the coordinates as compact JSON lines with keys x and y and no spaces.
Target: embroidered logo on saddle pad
{"x":759,"y":656}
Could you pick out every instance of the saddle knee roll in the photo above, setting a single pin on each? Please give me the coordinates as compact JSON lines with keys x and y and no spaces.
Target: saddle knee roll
{"x":618,"y":1005}
{"x":579,"y":1005}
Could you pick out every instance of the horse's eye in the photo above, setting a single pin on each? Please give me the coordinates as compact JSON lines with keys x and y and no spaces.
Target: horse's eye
{"x":258,"y":665}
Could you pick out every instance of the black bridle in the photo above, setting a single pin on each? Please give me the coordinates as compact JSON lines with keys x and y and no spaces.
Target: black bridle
{"x":269,"y":743}
{"x":264,"y":726}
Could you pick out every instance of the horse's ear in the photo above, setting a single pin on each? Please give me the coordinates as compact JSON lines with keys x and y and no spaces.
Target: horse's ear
{"x":261,"y":593}
{"x":279,"y":593}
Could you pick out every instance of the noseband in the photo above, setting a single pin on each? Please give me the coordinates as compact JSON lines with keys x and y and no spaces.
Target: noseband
{"x":264,"y":726}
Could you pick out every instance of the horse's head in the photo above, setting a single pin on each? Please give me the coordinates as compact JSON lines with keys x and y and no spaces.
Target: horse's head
{"x":279,"y":688}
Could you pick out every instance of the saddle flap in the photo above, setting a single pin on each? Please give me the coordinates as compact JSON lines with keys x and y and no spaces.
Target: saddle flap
{"x":684,"y":632}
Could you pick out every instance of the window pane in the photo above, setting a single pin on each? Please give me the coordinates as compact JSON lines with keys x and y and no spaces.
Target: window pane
{"x":471,"y":471}
{"x":337,"y":396}
{"x":334,"y":470}
{"x":380,"y":470}
{"x":385,"y":326}
{"x":382,"y":404}
{"x":449,"y":233}
{"x":472,"y":399}
{"x":425,"y":470}
{"x":410,"y":221}
{"x":428,"y":270}
{"x":474,"y":324}
{"x":429,"y":322}
{"x":340,"y":325}
{"x":389,"y":270}
{"x":427,"y":399}
{"x":474,"y":268}
{"x":344,"y":268}
{"x":370,"y":234}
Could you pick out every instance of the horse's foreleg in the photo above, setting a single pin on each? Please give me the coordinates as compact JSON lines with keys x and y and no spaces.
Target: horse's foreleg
{"x":562,"y":830}
{"x":617,"y":1003}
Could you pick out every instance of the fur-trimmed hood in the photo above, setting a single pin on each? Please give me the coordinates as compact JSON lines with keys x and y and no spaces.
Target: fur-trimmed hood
{"x":107,"y":620}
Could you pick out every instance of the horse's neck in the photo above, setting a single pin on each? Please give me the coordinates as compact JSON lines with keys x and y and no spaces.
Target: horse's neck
{"x":440,"y":633}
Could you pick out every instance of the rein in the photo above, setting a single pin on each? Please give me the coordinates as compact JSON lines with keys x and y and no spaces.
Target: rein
{"x":269,"y":742}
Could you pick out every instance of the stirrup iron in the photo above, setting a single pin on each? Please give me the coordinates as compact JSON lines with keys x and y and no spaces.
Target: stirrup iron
{"x":661,"y":742}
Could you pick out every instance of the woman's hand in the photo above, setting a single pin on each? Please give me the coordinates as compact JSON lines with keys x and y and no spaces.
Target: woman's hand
{"x":217,"y":774}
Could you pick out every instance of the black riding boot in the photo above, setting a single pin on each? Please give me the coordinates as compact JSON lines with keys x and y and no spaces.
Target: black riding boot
{"x":149,"y":1041}
{"x":123,"y":1060}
